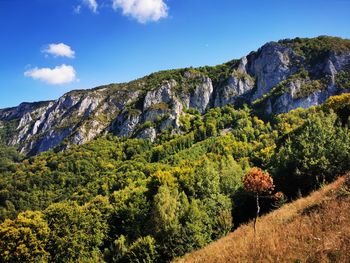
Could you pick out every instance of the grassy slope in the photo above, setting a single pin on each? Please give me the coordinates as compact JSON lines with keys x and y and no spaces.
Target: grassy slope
{"x":311,"y":229}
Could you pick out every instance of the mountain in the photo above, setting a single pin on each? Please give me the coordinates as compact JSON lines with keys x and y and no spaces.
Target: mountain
{"x":277,"y":78}
{"x":125,"y":199}
{"x":312,"y":229}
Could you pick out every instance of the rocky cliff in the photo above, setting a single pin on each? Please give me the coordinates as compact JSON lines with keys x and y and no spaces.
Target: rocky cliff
{"x":277,"y":78}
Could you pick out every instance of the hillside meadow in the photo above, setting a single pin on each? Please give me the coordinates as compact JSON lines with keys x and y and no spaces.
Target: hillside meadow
{"x":311,"y":229}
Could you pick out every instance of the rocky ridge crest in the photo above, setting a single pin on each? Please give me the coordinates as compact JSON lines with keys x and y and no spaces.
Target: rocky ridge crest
{"x":274,"y":79}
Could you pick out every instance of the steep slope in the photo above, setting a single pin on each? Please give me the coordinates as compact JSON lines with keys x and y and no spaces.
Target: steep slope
{"x":277,"y":78}
{"x":125,"y":200}
{"x":311,"y":229}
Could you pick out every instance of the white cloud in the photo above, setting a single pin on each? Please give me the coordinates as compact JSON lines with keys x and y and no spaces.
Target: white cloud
{"x":92,"y":4}
{"x":59,"y":75}
{"x":60,"y":50}
{"x":142,"y":10}
{"x":77,"y":9}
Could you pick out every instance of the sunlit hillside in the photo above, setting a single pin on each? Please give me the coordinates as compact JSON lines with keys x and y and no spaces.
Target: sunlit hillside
{"x":311,"y":229}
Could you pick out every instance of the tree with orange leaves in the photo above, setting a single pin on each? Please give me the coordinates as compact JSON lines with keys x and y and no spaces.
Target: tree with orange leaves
{"x":258,"y":182}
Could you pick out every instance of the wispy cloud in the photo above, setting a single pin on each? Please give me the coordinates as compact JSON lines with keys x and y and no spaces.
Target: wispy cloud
{"x":92,"y":4}
{"x":77,"y":9}
{"x":142,"y":10}
{"x":59,"y":75}
{"x":60,"y":50}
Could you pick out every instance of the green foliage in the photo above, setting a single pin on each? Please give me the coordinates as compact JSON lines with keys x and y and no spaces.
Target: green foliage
{"x":220,"y":72}
{"x":24,"y":239}
{"x":312,"y":154}
{"x":165,"y":212}
{"x":143,"y":250}
{"x":8,"y":158}
{"x":131,"y":211}
{"x":340,"y":105}
{"x":342,"y":79}
{"x":315,"y":49}
{"x":130,"y":200}
{"x":76,"y":231}
{"x":145,"y":125}
{"x":310,"y":87}
{"x":6,"y":130}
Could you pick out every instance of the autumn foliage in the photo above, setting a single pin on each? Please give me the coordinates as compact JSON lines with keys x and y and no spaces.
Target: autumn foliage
{"x":258,"y":181}
{"x":315,"y":228}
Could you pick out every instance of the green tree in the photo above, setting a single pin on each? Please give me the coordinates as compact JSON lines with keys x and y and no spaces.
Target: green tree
{"x":24,"y":239}
{"x":166,"y":220}
{"x":143,"y":250}
{"x":76,"y":232}
{"x":313,"y":154}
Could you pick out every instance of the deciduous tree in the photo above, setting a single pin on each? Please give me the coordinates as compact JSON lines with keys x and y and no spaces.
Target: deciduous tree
{"x":257,"y":182}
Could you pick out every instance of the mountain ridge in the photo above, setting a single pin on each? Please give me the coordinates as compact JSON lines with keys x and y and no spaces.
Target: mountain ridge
{"x":278,"y":77}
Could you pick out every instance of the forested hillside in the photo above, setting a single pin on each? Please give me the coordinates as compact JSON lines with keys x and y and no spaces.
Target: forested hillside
{"x":277,"y":78}
{"x":119,"y":199}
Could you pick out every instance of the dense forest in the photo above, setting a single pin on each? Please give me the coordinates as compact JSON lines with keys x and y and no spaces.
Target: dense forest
{"x":119,"y":199}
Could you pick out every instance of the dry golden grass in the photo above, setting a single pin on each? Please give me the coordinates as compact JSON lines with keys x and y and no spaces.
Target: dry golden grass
{"x":311,"y":229}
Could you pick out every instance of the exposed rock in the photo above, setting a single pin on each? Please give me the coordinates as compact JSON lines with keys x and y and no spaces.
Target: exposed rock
{"x":25,"y":120}
{"x":340,"y":61}
{"x":271,"y":66}
{"x":148,"y":133}
{"x":202,"y":95}
{"x":51,"y":139}
{"x":86,"y":133}
{"x":79,"y":116}
{"x":163,"y":94}
{"x":287,"y":101}
{"x":175,"y":113}
{"x":242,"y":66}
{"x":125,"y":124}
{"x":235,"y":86}
{"x":76,"y":116}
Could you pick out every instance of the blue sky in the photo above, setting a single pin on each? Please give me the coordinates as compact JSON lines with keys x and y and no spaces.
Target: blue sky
{"x":49,"y":47}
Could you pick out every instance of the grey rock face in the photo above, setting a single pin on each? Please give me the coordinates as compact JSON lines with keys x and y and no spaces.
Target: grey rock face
{"x":22,"y":109}
{"x":149,"y":133}
{"x":287,"y":102}
{"x":175,"y":113}
{"x":282,"y":67}
{"x":126,"y":123}
{"x":336,"y":63}
{"x":242,"y":67}
{"x":25,"y":120}
{"x":51,"y":139}
{"x":163,"y":94}
{"x":235,"y":87}
{"x":257,"y":74}
{"x":79,"y":116}
{"x":165,"y":101}
{"x":86,"y":133}
{"x":272,"y":65}
{"x":340,"y":61}
{"x":202,"y":95}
